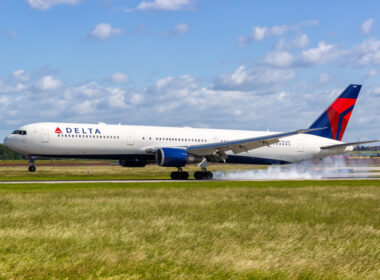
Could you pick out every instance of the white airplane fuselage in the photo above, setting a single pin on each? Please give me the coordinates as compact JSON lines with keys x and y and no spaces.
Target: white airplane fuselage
{"x":136,"y":143}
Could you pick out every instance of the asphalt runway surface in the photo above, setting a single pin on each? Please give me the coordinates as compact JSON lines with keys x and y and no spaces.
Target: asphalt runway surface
{"x":350,"y":173}
{"x":174,"y":181}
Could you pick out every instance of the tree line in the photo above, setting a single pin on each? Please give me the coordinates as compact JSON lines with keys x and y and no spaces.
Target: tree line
{"x":8,"y":154}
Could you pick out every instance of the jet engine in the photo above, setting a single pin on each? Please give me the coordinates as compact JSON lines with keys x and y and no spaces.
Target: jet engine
{"x":175,"y":157}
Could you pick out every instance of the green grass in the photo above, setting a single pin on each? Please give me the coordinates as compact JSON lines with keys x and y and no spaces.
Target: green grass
{"x":193,"y":230}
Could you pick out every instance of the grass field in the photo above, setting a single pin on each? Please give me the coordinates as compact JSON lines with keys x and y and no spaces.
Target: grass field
{"x":194,"y":230}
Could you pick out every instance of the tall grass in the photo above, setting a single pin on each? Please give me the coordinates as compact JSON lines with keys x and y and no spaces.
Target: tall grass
{"x":202,"y":230}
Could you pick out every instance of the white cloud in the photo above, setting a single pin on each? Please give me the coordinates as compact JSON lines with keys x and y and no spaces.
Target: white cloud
{"x":259,"y":33}
{"x":245,"y":92}
{"x":253,"y":78}
{"x":323,"y":78}
{"x":279,"y":59}
{"x":319,"y":55}
{"x":119,"y":77}
{"x":367,"y":25}
{"x":103,"y":31}
{"x":165,"y":5}
{"x":21,"y":75}
{"x":47,"y":4}
{"x":48,"y":83}
{"x":300,"y":42}
{"x":365,"y":53}
{"x":178,"y":29}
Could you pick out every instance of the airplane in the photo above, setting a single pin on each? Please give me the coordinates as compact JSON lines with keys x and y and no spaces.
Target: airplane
{"x":175,"y":147}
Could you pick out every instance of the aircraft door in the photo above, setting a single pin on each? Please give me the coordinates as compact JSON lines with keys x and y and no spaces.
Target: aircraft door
{"x":130,"y":139}
{"x":45,"y":136}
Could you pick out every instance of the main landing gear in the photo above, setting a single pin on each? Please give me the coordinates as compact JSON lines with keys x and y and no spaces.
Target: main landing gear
{"x":198,"y":175}
{"x":32,"y":166}
{"x":204,"y":174}
{"x":179,"y":175}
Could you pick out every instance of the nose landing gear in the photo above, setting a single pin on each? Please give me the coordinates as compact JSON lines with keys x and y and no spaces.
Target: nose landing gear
{"x":179,"y":175}
{"x":32,"y":166}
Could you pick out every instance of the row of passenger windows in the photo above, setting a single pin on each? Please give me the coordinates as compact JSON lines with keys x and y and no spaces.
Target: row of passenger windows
{"x":19,"y":132}
{"x":174,"y":139}
{"x":87,"y":136}
{"x":282,"y":144}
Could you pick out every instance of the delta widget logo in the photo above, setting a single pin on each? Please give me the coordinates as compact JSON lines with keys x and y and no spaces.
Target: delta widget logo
{"x":58,"y":130}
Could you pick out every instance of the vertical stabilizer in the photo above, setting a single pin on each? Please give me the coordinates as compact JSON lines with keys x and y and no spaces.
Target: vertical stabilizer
{"x":336,"y":117}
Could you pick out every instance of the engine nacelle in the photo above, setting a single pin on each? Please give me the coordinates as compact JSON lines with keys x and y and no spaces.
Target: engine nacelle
{"x":174,"y":157}
{"x":130,"y":163}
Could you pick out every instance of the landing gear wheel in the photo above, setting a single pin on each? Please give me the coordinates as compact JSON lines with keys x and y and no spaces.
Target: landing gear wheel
{"x":179,"y":175}
{"x":184,"y":175}
{"x":32,"y":168}
{"x":201,"y":175}
{"x":198,"y":175}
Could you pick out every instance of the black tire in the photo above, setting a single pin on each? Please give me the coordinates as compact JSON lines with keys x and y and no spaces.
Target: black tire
{"x":209,"y":175}
{"x":32,"y":168}
{"x":175,"y":175}
{"x":198,"y":175}
{"x":184,"y":175}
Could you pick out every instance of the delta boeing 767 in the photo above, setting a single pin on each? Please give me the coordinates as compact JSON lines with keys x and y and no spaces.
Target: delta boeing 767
{"x":175,"y":147}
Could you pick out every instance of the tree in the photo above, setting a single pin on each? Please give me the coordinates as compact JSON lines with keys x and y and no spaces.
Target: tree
{"x":8,"y":154}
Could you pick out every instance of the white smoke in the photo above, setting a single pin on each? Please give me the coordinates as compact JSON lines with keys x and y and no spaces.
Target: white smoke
{"x":329,"y":167}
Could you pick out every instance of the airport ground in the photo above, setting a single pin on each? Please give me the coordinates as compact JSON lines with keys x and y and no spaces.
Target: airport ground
{"x":197,"y":230}
{"x":309,"y":229}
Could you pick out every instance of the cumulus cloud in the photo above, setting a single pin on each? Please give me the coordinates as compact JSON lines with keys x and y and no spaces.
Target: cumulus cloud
{"x":48,"y":83}
{"x":367,"y":25}
{"x":251,"y":78}
{"x":21,"y":75}
{"x":165,"y":5}
{"x":178,"y":29}
{"x":300,"y":42}
{"x":259,"y":33}
{"x":47,"y":4}
{"x":319,"y":55}
{"x":196,"y":104}
{"x":365,"y":53}
{"x":103,"y":31}
{"x":119,"y":77}
{"x":279,"y":59}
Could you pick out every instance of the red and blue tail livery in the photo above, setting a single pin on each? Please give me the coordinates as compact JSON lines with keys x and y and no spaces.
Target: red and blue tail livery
{"x":336,"y":117}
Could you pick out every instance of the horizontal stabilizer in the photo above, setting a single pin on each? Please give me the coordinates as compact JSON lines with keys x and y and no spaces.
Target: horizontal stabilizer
{"x":348,"y":144}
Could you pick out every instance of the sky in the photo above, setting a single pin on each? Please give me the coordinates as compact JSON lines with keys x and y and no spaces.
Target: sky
{"x":254,"y":65}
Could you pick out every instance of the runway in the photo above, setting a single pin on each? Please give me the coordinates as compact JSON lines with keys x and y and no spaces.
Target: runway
{"x":337,"y":173}
{"x":174,"y":181}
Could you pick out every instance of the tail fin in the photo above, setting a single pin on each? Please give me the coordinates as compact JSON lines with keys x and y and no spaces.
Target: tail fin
{"x":336,"y":117}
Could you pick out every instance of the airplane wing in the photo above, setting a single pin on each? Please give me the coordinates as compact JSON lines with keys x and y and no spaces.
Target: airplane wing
{"x":243,"y":145}
{"x":348,"y":144}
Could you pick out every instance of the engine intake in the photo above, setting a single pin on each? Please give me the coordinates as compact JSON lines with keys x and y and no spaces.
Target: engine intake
{"x":174,"y":157}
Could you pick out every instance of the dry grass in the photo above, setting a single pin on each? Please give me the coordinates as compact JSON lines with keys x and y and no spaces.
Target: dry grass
{"x":102,"y":172}
{"x":200,"y":230}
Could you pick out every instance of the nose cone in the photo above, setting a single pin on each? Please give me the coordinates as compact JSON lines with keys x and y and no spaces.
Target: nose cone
{"x":6,"y":141}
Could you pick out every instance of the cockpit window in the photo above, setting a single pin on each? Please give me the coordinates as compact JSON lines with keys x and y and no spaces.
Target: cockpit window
{"x":19,"y":132}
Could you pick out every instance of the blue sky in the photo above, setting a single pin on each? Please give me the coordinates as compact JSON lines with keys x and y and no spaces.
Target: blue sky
{"x":226,"y":64}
